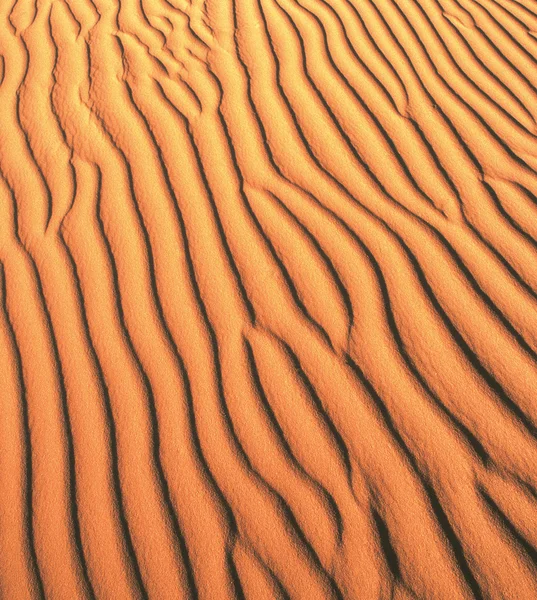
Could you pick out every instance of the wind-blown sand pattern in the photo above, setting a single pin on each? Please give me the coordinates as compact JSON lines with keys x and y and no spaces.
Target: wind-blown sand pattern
{"x":268,"y":295}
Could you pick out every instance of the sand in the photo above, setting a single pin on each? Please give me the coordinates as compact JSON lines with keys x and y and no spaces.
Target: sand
{"x":268,"y":299}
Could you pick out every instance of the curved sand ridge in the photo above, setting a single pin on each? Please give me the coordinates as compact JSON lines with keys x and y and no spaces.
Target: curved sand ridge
{"x":268,"y":296}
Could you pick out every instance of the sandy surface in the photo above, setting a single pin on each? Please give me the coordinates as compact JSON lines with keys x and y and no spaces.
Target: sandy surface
{"x":268,"y":299}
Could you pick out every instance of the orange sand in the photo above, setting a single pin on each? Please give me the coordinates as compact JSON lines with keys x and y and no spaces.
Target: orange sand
{"x":268,"y":299}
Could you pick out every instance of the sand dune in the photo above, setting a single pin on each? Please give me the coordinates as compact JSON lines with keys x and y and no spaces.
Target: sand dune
{"x":268,"y":295}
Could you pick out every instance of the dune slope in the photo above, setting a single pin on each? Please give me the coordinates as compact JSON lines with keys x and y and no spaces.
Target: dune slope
{"x":268,"y":299}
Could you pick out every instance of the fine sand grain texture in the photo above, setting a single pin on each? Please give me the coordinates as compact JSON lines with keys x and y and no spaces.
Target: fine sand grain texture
{"x":268,"y":299}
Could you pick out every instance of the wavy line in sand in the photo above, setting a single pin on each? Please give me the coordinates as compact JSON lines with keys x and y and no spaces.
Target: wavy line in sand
{"x":268,"y":299}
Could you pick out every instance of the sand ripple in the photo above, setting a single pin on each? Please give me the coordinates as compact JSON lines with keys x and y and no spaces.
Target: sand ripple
{"x":268,"y":299}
